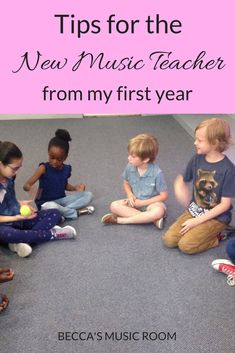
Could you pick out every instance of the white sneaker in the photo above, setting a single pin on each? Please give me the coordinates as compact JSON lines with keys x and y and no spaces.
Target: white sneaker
{"x":159,"y":223}
{"x":61,"y":233}
{"x":22,"y":249}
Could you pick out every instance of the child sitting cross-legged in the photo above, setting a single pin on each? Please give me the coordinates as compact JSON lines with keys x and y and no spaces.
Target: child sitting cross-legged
{"x":144,"y":185}
{"x":17,"y":230}
{"x":53,"y":182}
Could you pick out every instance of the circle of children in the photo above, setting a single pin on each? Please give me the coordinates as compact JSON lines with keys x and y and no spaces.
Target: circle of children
{"x":200,"y":227}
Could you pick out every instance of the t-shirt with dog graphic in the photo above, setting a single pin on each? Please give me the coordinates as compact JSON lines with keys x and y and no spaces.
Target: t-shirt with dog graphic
{"x":211,"y":181}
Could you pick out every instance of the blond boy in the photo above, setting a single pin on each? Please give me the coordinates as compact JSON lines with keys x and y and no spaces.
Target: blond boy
{"x":213,"y":176}
{"x":144,"y":185}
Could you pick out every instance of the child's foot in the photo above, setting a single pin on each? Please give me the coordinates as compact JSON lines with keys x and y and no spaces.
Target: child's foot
{"x":227,"y":267}
{"x":4,"y":301}
{"x":86,"y":210}
{"x":62,"y":220}
{"x":215,"y":264}
{"x":222,"y":236}
{"x":159,"y":223}
{"x":62,"y":233}
{"x":219,"y":264}
{"x":6,"y":274}
{"x":109,"y":218}
{"x":22,"y":249}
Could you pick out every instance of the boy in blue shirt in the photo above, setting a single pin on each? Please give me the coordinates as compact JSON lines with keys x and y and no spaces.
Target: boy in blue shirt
{"x":213,"y":176}
{"x":144,"y":185}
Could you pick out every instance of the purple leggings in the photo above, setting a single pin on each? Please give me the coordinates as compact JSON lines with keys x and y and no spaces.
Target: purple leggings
{"x":31,"y":231}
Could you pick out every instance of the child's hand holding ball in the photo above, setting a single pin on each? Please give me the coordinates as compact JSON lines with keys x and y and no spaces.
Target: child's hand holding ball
{"x":25,"y":211}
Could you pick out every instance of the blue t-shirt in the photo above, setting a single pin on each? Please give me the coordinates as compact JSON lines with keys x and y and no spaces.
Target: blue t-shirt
{"x":9,"y":206}
{"x":148,"y":185}
{"x":52,"y":183}
{"x":211,"y":181}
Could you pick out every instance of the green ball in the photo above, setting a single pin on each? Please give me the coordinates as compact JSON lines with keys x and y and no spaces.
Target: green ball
{"x":25,"y":211}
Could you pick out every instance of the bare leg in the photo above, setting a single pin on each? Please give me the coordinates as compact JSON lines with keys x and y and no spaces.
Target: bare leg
{"x":130,"y":215}
{"x":121,"y":209}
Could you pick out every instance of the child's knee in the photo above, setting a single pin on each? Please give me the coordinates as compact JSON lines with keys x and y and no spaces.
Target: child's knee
{"x":186,"y":247}
{"x":51,"y":212}
{"x":158,"y":213}
{"x":89,"y":196}
{"x":169,"y":240}
{"x":158,"y":210}
{"x":114,"y":206}
{"x":48,"y":205}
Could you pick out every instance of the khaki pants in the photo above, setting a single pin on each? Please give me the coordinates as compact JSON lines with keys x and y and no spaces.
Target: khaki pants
{"x":197,"y":239}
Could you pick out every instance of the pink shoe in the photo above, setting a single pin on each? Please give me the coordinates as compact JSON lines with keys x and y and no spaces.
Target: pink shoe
{"x":226,"y":267}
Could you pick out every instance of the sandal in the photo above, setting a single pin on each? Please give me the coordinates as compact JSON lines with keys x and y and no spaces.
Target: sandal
{"x":6,"y":274}
{"x":4,"y":301}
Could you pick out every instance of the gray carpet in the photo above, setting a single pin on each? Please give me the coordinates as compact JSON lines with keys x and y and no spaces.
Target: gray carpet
{"x":112,"y":280}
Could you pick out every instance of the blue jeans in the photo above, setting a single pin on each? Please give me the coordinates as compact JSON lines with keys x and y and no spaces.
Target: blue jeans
{"x":31,"y":231}
{"x":230,"y":248}
{"x":69,"y":205}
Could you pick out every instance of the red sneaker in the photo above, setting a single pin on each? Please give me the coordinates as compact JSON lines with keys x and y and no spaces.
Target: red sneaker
{"x":226,"y":267}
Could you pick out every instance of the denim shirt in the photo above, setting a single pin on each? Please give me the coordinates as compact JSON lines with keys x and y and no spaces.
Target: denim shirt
{"x":148,"y":185}
{"x":9,"y":206}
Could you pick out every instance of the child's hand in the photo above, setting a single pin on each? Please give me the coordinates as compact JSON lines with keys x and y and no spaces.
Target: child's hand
{"x":189,"y":224}
{"x":80,"y":187}
{"x":21,"y":218}
{"x":33,"y":192}
{"x":131,"y":200}
{"x":25,"y":202}
{"x":32,"y":209}
{"x":138,"y":203}
{"x":182,"y":192}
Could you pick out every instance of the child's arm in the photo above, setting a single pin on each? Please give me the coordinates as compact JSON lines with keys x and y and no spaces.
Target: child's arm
{"x":129,"y":193}
{"x":222,"y":207}
{"x":19,"y":217}
{"x":182,"y":192}
{"x":28,"y":186}
{"x":79,"y":187}
{"x":163,"y":196}
{"x":27,"y":203}
{"x":15,"y":218}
